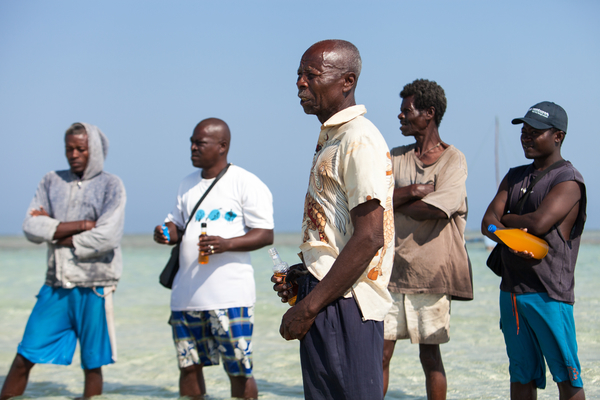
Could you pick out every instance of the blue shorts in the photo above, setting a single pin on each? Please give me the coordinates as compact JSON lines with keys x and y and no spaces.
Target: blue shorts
{"x":537,"y":327}
{"x":202,"y":337}
{"x":341,"y":355}
{"x":60,"y":317}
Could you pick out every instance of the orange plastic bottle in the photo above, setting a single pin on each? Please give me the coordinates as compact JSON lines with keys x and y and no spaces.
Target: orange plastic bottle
{"x":281,"y":268}
{"x":519,"y":240}
{"x":202,"y":258}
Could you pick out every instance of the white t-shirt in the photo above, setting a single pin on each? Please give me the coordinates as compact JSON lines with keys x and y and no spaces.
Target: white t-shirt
{"x":237,"y":203}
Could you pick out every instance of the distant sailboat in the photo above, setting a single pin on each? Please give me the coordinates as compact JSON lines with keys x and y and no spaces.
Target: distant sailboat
{"x":489,"y":243}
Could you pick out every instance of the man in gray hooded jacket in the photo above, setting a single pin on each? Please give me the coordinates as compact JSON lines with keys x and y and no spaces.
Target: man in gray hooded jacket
{"x":79,"y":213}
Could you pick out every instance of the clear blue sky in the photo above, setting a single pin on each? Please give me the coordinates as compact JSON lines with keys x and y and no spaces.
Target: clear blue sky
{"x":146,"y":72}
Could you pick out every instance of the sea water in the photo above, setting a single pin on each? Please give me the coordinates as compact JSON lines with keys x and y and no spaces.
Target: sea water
{"x":475,"y":358}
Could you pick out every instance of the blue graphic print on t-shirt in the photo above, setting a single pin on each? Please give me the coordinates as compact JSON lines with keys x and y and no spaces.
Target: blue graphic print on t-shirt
{"x":215,"y":215}
{"x":230,"y":216}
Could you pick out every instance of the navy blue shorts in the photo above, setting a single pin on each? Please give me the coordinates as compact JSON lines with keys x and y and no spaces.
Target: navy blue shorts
{"x":341,"y":355}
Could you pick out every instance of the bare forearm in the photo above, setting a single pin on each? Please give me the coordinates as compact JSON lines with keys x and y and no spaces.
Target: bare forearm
{"x":66,"y":242}
{"x":354,"y":258}
{"x":421,"y":211}
{"x":402,"y":195}
{"x":524,"y":221}
{"x":253,"y":240}
{"x":490,"y":219}
{"x":410,"y":193}
{"x":67,"y":229}
{"x":561,"y":201}
{"x":345,"y":271}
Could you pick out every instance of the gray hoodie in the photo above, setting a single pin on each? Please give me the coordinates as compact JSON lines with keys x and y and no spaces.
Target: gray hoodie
{"x":98,"y":196}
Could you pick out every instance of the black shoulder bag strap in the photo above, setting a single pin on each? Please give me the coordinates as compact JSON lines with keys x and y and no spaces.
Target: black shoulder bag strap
{"x":170,"y":270}
{"x":203,"y":197}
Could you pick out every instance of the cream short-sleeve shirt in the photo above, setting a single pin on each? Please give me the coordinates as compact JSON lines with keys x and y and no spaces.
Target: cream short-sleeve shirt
{"x":351,"y":166}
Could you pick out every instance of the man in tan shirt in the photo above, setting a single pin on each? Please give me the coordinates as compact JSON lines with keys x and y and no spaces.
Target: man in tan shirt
{"x":431,"y":265}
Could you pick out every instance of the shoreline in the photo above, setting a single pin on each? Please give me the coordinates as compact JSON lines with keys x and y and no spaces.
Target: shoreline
{"x":141,"y":240}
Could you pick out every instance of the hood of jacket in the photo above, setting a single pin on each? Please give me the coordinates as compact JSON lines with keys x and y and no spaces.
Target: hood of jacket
{"x":97,"y":149}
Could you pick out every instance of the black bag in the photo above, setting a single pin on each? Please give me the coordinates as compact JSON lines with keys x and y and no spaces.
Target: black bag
{"x":168,"y":273}
{"x":170,"y":270}
{"x":494,"y":261}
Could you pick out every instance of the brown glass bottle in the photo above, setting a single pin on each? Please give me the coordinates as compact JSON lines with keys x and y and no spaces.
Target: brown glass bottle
{"x":202,"y":258}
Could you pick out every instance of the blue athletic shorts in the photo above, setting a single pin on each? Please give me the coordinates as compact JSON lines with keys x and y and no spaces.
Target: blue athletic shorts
{"x":537,"y":327}
{"x":341,"y":355}
{"x":201,"y":337}
{"x":60,"y":317}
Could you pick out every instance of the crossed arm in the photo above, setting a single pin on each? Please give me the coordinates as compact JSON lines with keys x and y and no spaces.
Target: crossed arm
{"x":408,"y":201}
{"x":559,"y":207}
{"x":65,"y":230}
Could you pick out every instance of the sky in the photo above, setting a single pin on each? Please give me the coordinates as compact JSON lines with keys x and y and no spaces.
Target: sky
{"x":146,"y":72}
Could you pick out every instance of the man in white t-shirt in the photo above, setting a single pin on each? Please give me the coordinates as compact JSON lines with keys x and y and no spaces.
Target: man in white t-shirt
{"x":212,"y":304}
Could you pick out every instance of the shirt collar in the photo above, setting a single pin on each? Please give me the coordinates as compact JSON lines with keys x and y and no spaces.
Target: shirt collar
{"x":347,"y":114}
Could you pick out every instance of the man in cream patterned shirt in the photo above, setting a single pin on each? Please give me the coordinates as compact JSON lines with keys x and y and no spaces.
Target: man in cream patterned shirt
{"x":348,"y":235}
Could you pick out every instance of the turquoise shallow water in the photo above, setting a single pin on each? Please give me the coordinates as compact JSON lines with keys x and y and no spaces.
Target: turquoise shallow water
{"x":475,"y":359}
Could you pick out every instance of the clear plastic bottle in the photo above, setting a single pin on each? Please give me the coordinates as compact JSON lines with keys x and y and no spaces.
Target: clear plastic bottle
{"x":280,"y":268}
{"x":202,"y":258}
{"x":519,"y":240}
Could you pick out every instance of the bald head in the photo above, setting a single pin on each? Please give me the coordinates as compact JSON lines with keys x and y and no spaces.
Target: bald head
{"x":215,"y":128}
{"x":210,"y":145}
{"x":339,"y":54}
{"x":327,"y":78}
